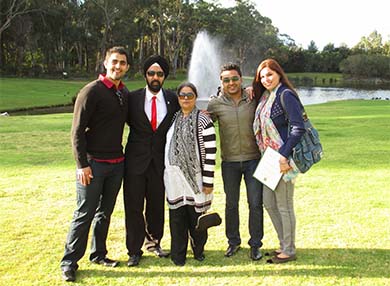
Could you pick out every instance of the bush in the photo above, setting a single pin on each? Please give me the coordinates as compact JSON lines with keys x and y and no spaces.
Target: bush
{"x":366,"y":66}
{"x":138,"y":76}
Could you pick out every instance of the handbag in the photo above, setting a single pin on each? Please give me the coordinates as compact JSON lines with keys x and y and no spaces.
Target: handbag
{"x":308,"y":151}
{"x":208,"y":220}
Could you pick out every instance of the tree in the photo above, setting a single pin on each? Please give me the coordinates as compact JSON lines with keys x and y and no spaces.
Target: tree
{"x":330,"y":57}
{"x":178,"y":28}
{"x":73,"y":35}
{"x":312,"y":48}
{"x":386,"y":48}
{"x":109,"y":11}
{"x":366,"y":66}
{"x":248,"y":34}
{"x":11,"y":10}
{"x":312,"y":57}
{"x":371,"y":44}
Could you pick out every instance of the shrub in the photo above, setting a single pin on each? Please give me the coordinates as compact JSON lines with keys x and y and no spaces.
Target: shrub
{"x":366,"y":66}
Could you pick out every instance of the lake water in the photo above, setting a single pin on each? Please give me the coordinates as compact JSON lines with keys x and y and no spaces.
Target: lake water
{"x":308,"y":95}
{"x":316,"y":95}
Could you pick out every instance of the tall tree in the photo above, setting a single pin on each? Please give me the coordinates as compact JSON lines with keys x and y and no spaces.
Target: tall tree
{"x":9,"y":11}
{"x":372,"y":44}
{"x":109,"y":12}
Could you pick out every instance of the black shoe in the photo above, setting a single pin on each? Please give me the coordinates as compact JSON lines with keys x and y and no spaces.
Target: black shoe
{"x":159,"y":252}
{"x":231,"y":250}
{"x":255,"y":253}
{"x":106,"y":262}
{"x":134,"y":260}
{"x":69,"y":275}
{"x":179,"y":263}
{"x":200,"y":257}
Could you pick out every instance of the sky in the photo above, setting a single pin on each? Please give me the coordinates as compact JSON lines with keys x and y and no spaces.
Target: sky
{"x":331,"y":21}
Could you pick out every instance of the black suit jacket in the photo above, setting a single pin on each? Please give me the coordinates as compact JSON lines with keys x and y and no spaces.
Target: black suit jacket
{"x":143,"y":145}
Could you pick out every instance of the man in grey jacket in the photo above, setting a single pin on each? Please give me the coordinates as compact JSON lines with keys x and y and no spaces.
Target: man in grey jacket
{"x":234,"y":111}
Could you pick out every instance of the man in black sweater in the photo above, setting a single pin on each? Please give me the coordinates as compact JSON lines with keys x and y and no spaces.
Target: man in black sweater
{"x":100,"y":113}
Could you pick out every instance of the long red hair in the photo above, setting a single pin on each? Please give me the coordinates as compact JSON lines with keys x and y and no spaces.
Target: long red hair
{"x":258,"y":87}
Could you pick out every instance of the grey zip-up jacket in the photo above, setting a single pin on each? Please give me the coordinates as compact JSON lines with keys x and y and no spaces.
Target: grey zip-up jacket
{"x":235,"y":123}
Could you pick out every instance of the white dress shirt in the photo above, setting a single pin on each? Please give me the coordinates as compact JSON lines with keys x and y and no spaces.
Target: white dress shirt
{"x":160,"y":104}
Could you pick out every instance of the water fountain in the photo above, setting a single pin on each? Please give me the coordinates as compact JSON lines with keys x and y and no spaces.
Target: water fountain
{"x":204,"y":72}
{"x":204,"y":67}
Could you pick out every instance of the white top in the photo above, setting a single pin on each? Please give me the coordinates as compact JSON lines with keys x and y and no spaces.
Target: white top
{"x":160,"y":104}
{"x":178,"y":190}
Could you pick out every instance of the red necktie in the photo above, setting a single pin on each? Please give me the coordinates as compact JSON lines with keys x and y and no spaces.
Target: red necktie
{"x":153,"y":120}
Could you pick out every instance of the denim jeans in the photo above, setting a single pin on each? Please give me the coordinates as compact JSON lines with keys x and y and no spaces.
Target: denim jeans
{"x":95,"y":202}
{"x":232,"y":173}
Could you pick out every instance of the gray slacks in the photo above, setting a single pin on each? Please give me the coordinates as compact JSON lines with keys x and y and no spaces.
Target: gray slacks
{"x":280,"y":207}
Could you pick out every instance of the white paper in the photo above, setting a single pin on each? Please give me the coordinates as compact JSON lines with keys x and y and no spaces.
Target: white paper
{"x":268,"y":169}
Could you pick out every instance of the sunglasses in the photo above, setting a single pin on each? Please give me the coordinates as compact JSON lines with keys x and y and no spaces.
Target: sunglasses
{"x":120,"y":97}
{"x":189,"y":95}
{"x":228,"y":79}
{"x":153,"y":73}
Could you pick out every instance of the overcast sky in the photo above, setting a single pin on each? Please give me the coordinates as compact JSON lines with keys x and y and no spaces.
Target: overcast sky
{"x":331,"y":21}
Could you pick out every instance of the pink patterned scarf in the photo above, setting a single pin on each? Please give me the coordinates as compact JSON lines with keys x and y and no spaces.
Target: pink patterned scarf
{"x":266,"y":133}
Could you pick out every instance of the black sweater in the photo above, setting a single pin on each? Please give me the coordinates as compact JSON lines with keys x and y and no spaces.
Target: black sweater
{"x":98,"y":123}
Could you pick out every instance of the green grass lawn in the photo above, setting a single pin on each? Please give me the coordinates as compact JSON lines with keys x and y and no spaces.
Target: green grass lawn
{"x":342,"y":208}
{"x":16,"y":93}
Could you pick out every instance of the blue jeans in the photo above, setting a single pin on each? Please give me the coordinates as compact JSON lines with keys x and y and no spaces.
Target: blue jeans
{"x":95,"y":202}
{"x":232,"y":173}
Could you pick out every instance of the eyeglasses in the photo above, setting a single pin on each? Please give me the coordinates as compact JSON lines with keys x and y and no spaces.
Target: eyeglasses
{"x":228,"y":79}
{"x":189,"y":95}
{"x":153,"y":73}
{"x":120,"y":97}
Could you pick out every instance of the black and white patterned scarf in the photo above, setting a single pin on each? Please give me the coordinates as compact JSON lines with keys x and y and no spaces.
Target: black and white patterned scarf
{"x":183,"y":148}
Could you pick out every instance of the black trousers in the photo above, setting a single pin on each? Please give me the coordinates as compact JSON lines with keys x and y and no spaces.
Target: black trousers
{"x":182,"y":222}
{"x":95,"y":203}
{"x":144,"y":191}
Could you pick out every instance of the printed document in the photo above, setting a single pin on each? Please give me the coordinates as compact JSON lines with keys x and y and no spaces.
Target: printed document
{"x":268,"y":169}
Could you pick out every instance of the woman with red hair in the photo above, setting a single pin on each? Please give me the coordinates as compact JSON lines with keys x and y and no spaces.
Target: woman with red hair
{"x":279,"y":128}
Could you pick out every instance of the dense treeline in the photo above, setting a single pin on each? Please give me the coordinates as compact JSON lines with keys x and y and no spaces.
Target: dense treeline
{"x":49,"y":37}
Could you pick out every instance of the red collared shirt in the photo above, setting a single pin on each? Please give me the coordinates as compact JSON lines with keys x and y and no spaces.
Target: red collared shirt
{"x":109,"y":83}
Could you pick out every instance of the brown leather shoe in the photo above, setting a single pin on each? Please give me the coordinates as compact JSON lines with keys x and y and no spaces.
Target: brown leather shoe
{"x":278,"y":260}
{"x":273,"y":253}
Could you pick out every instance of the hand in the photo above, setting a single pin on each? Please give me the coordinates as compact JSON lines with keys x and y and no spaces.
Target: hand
{"x":205,"y":112}
{"x":207,"y":190}
{"x":84,"y":175}
{"x":249,"y":91}
{"x":284,"y":165}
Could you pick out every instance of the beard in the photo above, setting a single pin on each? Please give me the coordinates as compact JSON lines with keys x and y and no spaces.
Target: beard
{"x":154,"y":85}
